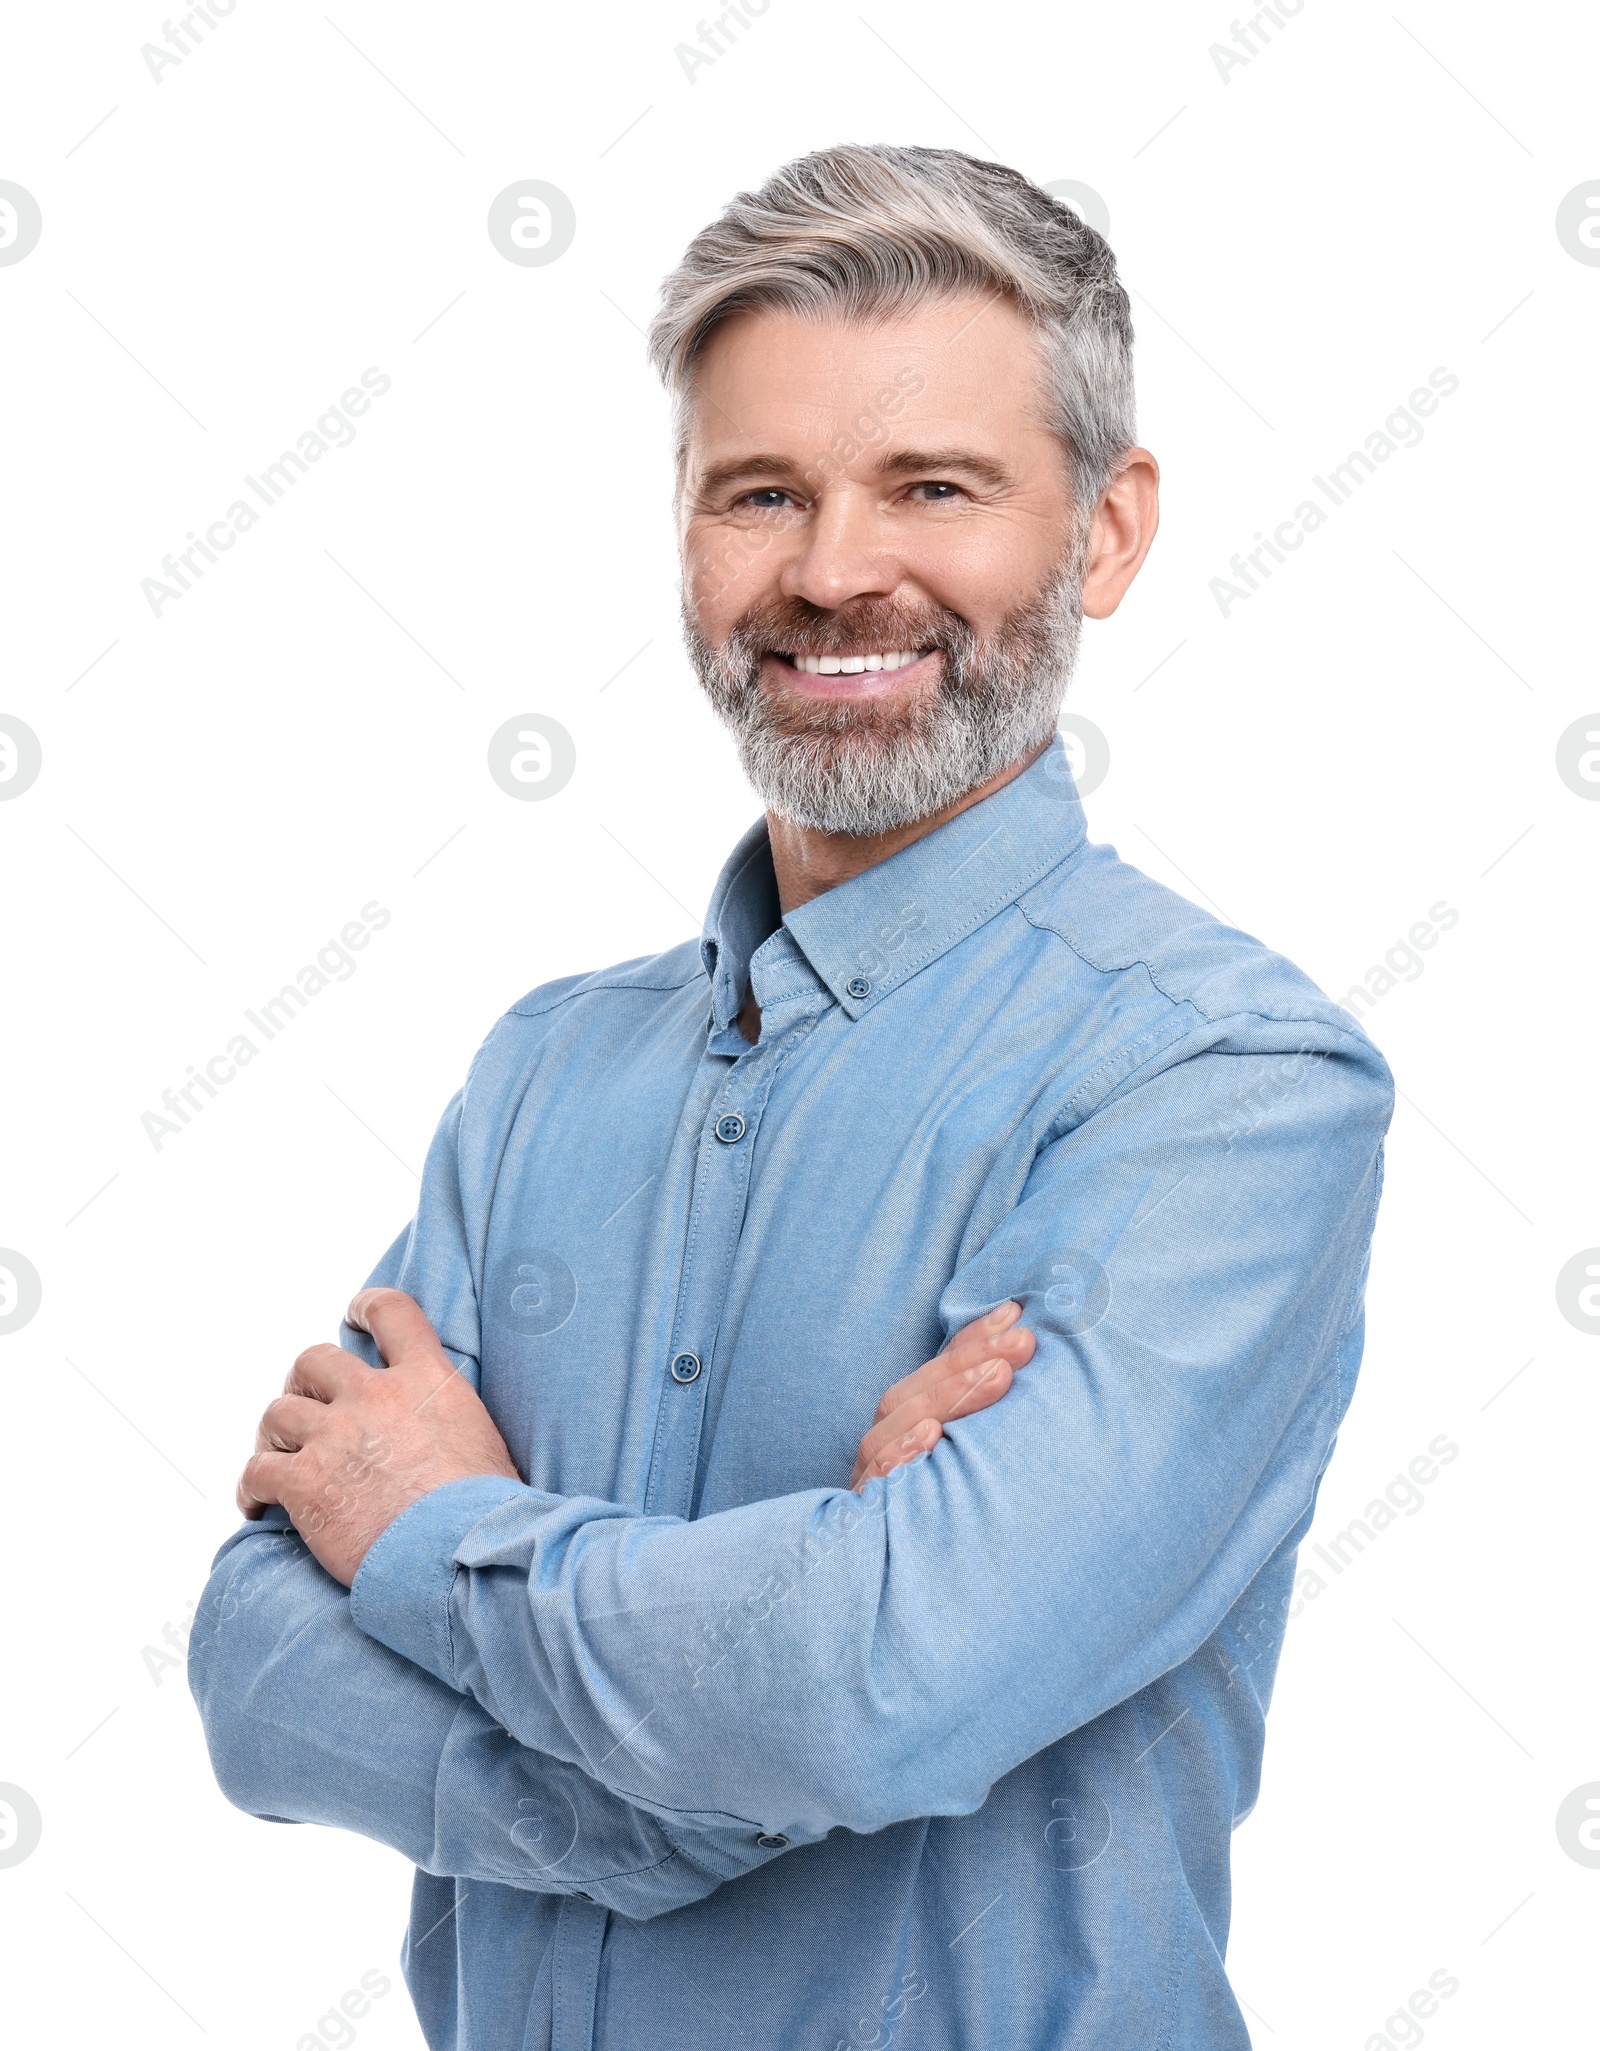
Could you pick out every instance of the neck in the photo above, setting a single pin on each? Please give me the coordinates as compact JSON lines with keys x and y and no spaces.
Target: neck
{"x":808,"y":862}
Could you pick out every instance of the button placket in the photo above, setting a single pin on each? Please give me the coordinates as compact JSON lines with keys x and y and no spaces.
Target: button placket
{"x":723,"y":1165}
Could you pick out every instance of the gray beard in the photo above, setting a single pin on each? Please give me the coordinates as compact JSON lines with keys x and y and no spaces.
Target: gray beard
{"x":863,"y":769}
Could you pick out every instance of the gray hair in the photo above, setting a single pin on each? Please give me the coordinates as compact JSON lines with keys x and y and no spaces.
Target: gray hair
{"x":870,"y":230}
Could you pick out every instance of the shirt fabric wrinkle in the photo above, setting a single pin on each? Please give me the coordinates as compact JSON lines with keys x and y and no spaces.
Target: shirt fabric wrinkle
{"x":981,"y":1730}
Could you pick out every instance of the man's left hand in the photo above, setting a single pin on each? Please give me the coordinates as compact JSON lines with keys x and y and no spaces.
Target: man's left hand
{"x":347,"y":1447}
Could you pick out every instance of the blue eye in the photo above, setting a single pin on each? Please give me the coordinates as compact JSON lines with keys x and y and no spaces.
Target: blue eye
{"x":767,"y":499}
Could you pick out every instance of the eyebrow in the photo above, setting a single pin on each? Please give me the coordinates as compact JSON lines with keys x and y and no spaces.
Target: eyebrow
{"x":897,"y":463}
{"x":740,"y":468}
{"x":934,"y":462}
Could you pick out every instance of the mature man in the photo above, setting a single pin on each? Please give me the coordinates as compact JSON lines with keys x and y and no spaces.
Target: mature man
{"x":691,"y":1741}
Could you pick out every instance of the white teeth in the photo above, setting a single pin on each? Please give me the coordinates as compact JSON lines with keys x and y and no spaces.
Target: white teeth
{"x":852,"y":665}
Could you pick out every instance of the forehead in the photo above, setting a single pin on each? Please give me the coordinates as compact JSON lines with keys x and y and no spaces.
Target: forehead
{"x":970,"y":367}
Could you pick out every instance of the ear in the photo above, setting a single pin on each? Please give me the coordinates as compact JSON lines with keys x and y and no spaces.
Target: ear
{"x":1122,"y":527}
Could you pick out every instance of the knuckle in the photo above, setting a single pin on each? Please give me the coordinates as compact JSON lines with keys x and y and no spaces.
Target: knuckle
{"x":305,"y":1364}
{"x":370,"y":1302}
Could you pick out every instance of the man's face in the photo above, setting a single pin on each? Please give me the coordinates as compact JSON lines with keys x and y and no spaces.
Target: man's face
{"x":882,"y":565}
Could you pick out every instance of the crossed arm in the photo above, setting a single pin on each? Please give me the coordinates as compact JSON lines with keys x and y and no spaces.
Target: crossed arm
{"x":828,"y":1658}
{"x":345,"y":1449}
{"x":311,"y":1720}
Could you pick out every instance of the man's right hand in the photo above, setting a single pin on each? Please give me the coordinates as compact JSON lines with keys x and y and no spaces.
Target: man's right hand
{"x":972,"y":1372}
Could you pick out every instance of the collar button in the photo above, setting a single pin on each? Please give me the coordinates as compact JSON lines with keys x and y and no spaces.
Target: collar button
{"x":858,"y":986}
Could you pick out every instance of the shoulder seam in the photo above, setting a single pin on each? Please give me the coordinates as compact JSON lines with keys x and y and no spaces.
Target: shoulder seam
{"x":524,"y":1009}
{"x":1044,"y":925}
{"x":1155,"y":1042}
{"x":1299,"y":1014}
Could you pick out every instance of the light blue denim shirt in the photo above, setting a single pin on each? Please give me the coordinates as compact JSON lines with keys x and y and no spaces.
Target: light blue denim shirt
{"x":690,"y":1744}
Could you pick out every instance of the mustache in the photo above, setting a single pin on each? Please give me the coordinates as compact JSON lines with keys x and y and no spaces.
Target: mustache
{"x":794,"y":626}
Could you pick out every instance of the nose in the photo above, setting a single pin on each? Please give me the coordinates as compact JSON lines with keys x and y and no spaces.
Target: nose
{"x":844,"y":554}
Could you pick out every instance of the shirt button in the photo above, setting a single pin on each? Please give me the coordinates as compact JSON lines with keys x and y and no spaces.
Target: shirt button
{"x":858,"y":986}
{"x":771,"y":1842}
{"x":685,"y":1367}
{"x":730,"y":1128}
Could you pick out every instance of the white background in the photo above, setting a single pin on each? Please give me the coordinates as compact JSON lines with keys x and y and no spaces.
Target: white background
{"x":225,"y":785}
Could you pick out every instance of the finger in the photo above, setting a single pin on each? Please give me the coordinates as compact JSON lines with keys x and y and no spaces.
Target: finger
{"x":971,"y":1388}
{"x":288,"y":1422}
{"x":955,"y":1395}
{"x":899,"y":1452}
{"x":263,"y":1481}
{"x":325,"y":1372}
{"x":918,"y":1425}
{"x":996,"y":1333}
{"x":399,"y":1326}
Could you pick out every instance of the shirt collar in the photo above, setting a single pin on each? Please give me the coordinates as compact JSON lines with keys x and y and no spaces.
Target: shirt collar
{"x":866,"y":937}
{"x":744,"y":911}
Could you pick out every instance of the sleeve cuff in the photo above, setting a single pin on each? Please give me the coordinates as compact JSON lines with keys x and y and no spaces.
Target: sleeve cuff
{"x":401,"y":1593}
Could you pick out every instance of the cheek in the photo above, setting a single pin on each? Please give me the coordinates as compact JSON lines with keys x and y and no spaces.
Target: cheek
{"x":726,"y":570}
{"x":980,"y":569}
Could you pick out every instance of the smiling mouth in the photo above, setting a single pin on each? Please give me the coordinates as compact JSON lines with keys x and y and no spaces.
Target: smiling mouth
{"x":851,"y":665}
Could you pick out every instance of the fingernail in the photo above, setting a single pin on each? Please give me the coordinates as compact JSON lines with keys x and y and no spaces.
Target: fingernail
{"x":1004,"y":1314}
